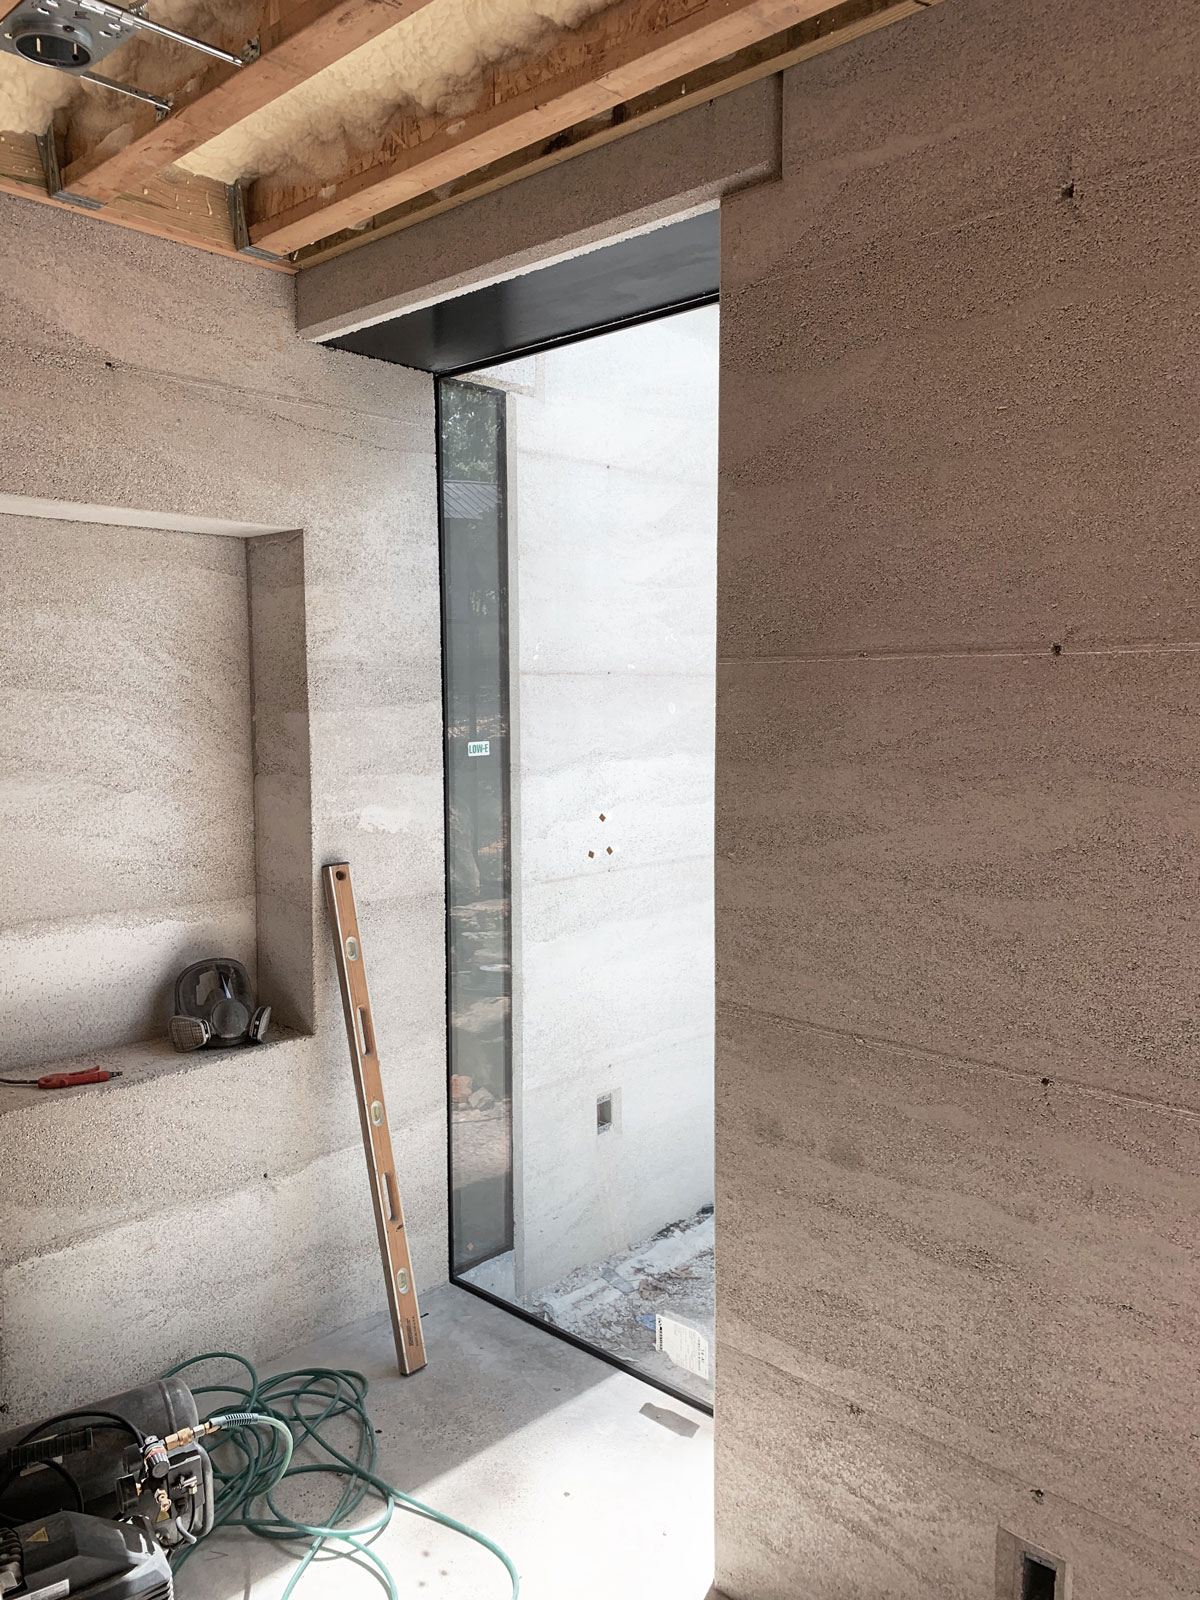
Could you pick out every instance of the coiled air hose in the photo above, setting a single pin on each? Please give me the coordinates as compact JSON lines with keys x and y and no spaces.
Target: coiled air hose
{"x":299,"y":1408}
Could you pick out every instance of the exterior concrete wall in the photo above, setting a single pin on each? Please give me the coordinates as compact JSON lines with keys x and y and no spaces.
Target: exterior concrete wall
{"x":126,"y":798}
{"x":958,"y":1142}
{"x":218,"y":1202}
{"x":612,"y":545}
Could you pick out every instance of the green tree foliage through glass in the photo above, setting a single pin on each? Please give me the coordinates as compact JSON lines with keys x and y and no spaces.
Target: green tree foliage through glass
{"x":470,"y":434}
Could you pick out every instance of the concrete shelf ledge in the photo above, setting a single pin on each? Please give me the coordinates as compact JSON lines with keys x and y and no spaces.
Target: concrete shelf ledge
{"x":173,"y":1137}
{"x":147,"y":1059}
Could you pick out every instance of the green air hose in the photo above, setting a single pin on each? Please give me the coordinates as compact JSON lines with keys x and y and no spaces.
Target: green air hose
{"x":296,"y":1407}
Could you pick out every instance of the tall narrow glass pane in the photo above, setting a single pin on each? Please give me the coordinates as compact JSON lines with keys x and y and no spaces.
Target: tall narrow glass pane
{"x":611,"y":590}
{"x":475,"y":632}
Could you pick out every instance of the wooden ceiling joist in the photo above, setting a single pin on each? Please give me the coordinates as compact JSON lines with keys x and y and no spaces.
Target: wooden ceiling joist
{"x":174,"y":205}
{"x":628,"y":49}
{"x":633,"y":64}
{"x":295,"y":40}
{"x":837,"y":26}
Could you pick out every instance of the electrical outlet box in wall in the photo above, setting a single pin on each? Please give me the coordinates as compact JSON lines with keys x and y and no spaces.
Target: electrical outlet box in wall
{"x":608,"y":1112}
{"x":1026,"y":1572}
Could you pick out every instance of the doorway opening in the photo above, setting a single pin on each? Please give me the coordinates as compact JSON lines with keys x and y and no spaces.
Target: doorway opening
{"x":578,"y":505}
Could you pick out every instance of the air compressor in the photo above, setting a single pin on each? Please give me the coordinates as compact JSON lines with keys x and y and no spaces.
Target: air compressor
{"x":95,"y":1503}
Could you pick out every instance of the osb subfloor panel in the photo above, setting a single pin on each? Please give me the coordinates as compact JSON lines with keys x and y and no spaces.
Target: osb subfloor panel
{"x":547,"y":1450}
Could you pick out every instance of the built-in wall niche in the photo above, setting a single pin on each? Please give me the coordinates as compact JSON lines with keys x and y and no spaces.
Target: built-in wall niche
{"x":154,"y":771}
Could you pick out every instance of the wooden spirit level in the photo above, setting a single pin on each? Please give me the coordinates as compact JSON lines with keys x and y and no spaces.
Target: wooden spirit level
{"x":372,"y":1112}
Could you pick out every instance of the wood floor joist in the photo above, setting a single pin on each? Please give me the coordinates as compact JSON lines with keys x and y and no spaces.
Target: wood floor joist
{"x":630,"y":49}
{"x":175,"y":205}
{"x":831,"y":28}
{"x":295,"y":40}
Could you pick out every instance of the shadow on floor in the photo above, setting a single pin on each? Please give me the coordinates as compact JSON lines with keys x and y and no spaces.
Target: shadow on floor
{"x":514,"y":1432}
{"x":489,"y":1376}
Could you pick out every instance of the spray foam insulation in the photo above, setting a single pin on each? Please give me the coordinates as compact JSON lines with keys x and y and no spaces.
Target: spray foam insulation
{"x":430,"y":62}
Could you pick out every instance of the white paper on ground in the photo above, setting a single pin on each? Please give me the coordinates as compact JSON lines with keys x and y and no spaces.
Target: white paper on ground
{"x":686,"y":1347}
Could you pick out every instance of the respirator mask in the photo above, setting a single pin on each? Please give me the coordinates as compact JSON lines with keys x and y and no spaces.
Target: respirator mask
{"x":214,"y":1007}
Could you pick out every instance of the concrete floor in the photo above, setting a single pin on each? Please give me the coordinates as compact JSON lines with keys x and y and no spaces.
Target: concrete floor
{"x":596,"y":1484}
